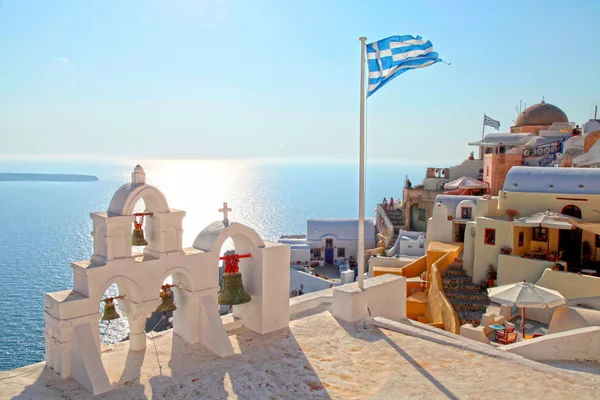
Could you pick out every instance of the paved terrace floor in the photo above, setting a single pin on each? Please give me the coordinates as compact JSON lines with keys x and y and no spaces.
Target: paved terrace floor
{"x":318,"y":357}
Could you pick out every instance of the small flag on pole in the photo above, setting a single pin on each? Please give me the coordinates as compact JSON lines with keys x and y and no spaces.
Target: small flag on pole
{"x":491,"y":122}
{"x":388,"y":58}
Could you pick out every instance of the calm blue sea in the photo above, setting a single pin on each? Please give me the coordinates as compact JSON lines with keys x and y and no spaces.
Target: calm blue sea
{"x":44,"y":226}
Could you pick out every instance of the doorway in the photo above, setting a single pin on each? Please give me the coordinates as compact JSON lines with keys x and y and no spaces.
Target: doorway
{"x":328,"y":251}
{"x":460,"y":232}
{"x":569,"y":241}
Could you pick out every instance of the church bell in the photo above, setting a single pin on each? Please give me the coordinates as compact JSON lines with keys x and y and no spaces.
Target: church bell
{"x":167,"y":300}
{"x":137,"y":238}
{"x":233,"y":292}
{"x":110,"y":312}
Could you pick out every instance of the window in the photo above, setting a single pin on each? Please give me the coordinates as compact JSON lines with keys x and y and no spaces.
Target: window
{"x":421,"y":214}
{"x":341,"y":252}
{"x":490,"y":236}
{"x":521,"y":238}
{"x":316,"y":253}
{"x":540,"y":234}
{"x":597,"y":240}
{"x":328,"y":243}
{"x":465,"y":212}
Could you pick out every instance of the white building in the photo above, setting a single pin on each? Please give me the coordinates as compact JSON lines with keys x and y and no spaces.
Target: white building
{"x":300,"y":251}
{"x":329,"y":240}
{"x":333,"y":239}
{"x":519,"y":248}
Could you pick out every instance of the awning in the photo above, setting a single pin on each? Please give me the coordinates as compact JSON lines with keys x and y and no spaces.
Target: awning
{"x":503,"y":139}
{"x":547,"y":219}
{"x":593,"y":227}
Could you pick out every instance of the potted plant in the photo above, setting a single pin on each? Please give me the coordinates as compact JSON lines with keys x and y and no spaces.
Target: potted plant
{"x":491,"y":273}
{"x":511,"y":214}
{"x":505,"y":250}
{"x":586,"y":250}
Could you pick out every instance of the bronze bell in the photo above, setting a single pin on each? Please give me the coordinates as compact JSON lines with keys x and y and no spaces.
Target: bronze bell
{"x":137,"y":238}
{"x":167,"y":300}
{"x":233,"y":292}
{"x":110,"y":312}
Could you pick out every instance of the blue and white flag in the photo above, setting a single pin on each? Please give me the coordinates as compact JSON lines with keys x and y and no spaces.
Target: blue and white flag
{"x":491,"y":122}
{"x":395,"y":55}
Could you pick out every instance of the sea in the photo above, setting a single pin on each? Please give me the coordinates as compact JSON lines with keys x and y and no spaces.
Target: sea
{"x":44,"y":226}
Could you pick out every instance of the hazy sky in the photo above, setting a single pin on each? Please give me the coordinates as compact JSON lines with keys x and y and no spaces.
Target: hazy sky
{"x":230,"y":79}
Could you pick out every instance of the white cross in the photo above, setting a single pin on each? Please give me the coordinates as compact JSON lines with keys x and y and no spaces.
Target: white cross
{"x":224,"y":211}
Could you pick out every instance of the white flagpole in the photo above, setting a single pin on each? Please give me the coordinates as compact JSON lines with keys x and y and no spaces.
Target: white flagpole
{"x":482,"y":135}
{"x":361,"y":185}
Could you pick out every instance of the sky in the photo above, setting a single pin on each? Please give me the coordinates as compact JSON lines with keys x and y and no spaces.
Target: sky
{"x":280,"y":79}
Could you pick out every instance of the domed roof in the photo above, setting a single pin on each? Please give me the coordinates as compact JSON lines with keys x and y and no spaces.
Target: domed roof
{"x":541,"y":114}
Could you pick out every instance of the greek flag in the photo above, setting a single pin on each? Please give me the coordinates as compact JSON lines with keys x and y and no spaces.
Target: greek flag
{"x":395,"y":55}
{"x":491,"y":122}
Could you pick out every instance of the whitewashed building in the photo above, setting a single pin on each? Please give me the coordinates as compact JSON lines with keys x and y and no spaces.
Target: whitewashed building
{"x":333,"y":239}
{"x":502,"y":230}
{"x":300,"y":251}
{"x":329,"y":240}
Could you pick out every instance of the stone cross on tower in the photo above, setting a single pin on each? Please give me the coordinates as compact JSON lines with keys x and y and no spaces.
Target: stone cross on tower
{"x":224,"y":210}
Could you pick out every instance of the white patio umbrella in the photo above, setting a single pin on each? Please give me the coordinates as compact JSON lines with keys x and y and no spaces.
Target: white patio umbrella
{"x":525,"y":294}
{"x":546,"y":219}
{"x":465,"y":183}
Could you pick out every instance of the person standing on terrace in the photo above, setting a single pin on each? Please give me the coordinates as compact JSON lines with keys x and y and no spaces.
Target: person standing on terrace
{"x":391,"y":204}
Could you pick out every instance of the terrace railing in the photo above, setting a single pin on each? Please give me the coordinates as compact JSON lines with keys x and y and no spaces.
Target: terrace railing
{"x":547,"y":151}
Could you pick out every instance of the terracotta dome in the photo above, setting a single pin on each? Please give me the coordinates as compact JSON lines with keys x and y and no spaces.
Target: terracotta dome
{"x":541,"y":114}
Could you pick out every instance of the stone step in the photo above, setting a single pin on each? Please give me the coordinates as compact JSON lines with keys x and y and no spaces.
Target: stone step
{"x":454,"y":272}
{"x":467,"y":305}
{"x":464,"y":286}
{"x":466,"y":295}
{"x":469,"y":317}
{"x":455,"y":280}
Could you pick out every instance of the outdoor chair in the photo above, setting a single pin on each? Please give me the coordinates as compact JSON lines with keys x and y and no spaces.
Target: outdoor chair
{"x":508,"y":327}
{"x":500,"y":335}
{"x":508,"y":338}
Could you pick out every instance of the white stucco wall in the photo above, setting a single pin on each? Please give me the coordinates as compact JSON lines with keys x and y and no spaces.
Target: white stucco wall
{"x":311,"y":283}
{"x":570,"y":285}
{"x":389,"y":262}
{"x":434,"y":183}
{"x":569,"y":318}
{"x":439,"y":228}
{"x":302,"y":255}
{"x":468,"y":168}
{"x":397,"y":248}
{"x":487,"y":253}
{"x":469,"y":247}
{"x":578,"y":344}
{"x":512,"y":269}
{"x":411,"y":247}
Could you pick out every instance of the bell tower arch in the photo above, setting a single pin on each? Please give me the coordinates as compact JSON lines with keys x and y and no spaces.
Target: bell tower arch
{"x":113,"y":228}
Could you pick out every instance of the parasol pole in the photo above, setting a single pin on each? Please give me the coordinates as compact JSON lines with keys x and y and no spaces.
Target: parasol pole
{"x":523,"y":316}
{"x":523,"y":321}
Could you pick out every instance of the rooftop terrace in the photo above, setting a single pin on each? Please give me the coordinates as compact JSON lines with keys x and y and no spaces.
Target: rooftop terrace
{"x":318,"y":357}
